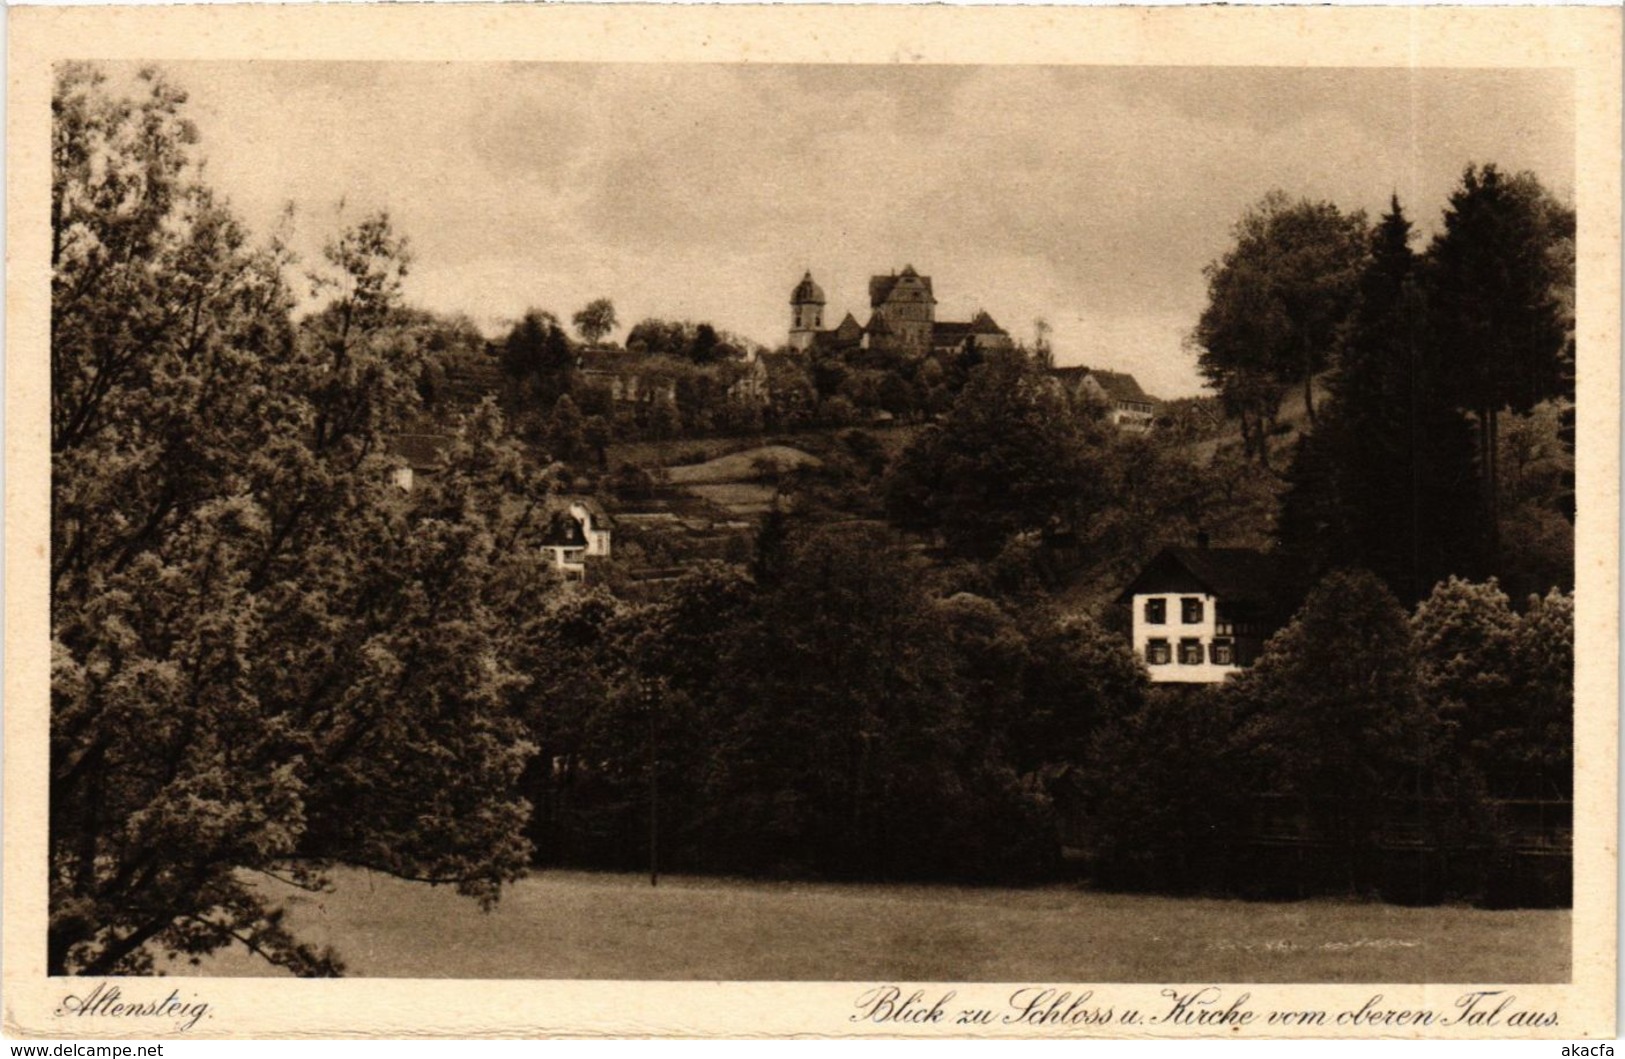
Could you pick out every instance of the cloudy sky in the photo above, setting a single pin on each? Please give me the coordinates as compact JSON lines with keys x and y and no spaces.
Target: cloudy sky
{"x":1090,"y":196}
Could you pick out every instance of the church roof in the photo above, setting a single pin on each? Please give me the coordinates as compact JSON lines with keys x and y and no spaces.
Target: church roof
{"x":838,"y":340}
{"x":807,"y":292}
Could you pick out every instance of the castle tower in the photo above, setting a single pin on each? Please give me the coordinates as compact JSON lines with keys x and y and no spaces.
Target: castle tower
{"x":907,"y":305}
{"x":806,"y":313}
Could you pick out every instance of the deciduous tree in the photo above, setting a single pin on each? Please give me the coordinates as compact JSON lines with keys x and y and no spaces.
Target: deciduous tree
{"x":537,"y":352}
{"x":1276,"y":301}
{"x":596,"y":320}
{"x":1330,"y":712}
{"x":265,"y":656}
{"x":1010,"y":458}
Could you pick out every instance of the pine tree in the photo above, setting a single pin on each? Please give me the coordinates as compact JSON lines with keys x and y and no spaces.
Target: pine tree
{"x":1386,"y":482}
{"x":1495,"y":280}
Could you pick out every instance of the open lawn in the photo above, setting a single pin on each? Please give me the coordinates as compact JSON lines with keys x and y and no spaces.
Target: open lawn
{"x":739,"y":466}
{"x":688,"y":452}
{"x":584,"y":925}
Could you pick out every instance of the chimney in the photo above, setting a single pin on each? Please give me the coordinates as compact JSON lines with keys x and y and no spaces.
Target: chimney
{"x":1201,"y":539}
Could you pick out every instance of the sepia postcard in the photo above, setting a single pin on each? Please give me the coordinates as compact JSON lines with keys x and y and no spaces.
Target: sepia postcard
{"x":811,"y":521}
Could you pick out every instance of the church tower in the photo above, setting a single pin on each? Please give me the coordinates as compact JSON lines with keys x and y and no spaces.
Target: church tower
{"x":806,"y":313}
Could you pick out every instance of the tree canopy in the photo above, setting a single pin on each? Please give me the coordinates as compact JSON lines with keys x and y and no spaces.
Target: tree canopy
{"x":595,"y":320}
{"x":265,"y":655}
{"x":1387,"y":480}
{"x":537,"y":352}
{"x":1501,"y":285}
{"x":1011,"y":457}
{"x":1276,"y":302}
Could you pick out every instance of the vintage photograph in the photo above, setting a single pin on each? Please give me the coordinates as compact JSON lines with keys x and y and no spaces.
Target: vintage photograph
{"x":812,"y":521}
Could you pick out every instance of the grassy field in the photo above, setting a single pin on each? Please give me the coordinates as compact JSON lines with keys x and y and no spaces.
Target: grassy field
{"x":685,"y":452}
{"x":739,"y":466}
{"x":582,"y":925}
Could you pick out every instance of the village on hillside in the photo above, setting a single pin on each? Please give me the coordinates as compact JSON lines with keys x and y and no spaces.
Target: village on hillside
{"x":344,"y":586}
{"x":689,"y":419}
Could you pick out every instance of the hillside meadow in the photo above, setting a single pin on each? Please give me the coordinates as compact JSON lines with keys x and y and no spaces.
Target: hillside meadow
{"x":566,"y":925}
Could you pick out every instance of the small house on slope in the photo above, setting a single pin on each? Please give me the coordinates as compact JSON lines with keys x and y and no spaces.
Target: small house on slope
{"x":1200,"y":614}
{"x":1127,"y":405}
{"x":578,"y":531}
{"x":415,"y":455}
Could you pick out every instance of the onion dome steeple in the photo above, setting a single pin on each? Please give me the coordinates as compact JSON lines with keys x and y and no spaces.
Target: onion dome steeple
{"x":807,"y":292}
{"x":806,"y":313}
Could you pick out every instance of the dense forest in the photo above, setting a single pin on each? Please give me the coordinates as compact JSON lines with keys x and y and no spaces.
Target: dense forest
{"x":268,"y":658}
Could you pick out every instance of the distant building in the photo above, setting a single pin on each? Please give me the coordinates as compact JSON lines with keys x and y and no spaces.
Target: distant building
{"x":1200,"y":614}
{"x":630,"y":378}
{"x":751,"y":385}
{"x":1126,"y":404}
{"x":416,"y":455}
{"x":902,"y":318}
{"x":580,"y":530}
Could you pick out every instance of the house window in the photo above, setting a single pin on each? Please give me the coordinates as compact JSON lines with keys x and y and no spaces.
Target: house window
{"x":1190,"y":652}
{"x":1190,"y":611}
{"x":1222,"y":653}
{"x":1157,"y":653}
{"x":1156,"y":611}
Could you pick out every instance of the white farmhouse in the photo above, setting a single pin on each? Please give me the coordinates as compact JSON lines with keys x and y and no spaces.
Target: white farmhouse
{"x":1203,"y":613}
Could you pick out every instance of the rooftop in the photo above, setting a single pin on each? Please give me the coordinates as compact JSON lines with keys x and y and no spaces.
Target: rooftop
{"x":807,"y":292}
{"x":1241,"y":576}
{"x":1121,"y":386}
{"x":421,"y":452}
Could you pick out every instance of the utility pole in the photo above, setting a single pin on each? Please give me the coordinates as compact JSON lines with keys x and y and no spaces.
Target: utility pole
{"x":654,"y":788}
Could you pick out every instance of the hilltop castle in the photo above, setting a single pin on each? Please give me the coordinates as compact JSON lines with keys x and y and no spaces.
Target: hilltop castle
{"x":902,"y":318}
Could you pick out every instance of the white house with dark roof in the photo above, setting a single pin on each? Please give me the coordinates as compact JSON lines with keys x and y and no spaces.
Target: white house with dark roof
{"x":579,"y":530}
{"x":1201,"y":614}
{"x":1127,"y":405}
